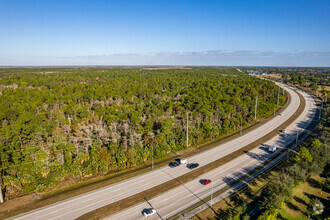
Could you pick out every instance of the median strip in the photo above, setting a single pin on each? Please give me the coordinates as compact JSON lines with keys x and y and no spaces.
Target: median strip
{"x":147,"y":194}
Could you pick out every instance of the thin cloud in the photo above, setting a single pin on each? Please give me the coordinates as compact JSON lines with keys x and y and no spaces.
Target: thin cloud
{"x":209,"y":57}
{"x":210,"y":53}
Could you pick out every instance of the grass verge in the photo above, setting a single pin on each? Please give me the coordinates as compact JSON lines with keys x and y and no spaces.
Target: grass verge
{"x":252,"y":191}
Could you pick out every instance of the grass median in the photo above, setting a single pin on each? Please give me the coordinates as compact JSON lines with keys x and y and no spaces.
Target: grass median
{"x":147,"y":194}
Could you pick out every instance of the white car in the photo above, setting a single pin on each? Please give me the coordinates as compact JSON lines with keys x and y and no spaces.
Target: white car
{"x":272,"y":149}
{"x":280,"y":114}
{"x":149,"y":212}
{"x":183,"y":161}
{"x":283,"y":131}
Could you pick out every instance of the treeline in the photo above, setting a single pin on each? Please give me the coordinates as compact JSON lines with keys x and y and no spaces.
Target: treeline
{"x":56,"y":123}
{"x":300,"y":75}
{"x":311,"y":160}
{"x":309,"y":78}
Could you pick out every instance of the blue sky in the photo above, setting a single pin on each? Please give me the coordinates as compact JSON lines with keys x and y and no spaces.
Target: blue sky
{"x":158,"y":32}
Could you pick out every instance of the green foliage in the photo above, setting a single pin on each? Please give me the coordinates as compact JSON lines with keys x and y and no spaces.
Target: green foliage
{"x":298,"y":173}
{"x":304,"y":156}
{"x":245,"y":217}
{"x":326,"y":185}
{"x":82,"y":122}
{"x":313,"y":86}
{"x":313,"y":160}
{"x":316,"y":144}
{"x":268,"y":215}
{"x":315,"y":207}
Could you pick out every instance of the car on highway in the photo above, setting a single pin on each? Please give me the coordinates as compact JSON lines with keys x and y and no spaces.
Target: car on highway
{"x":281,"y":114}
{"x":149,"y":212}
{"x":181,"y":161}
{"x":205,"y":181}
{"x":173,"y":164}
{"x":192,"y":165}
{"x":272,"y":148}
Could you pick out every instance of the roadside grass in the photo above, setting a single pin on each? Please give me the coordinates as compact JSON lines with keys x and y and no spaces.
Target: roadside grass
{"x":297,"y":207}
{"x":253,"y":189}
{"x":291,"y":210}
{"x":60,"y":193}
{"x":247,"y":194}
{"x":162,"y":188}
{"x":290,"y":216}
{"x":208,"y":212}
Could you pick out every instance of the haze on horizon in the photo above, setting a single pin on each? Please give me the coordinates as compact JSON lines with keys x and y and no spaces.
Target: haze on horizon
{"x":152,"y":32}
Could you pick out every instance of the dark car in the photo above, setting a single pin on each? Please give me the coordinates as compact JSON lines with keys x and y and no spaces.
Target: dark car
{"x":148,"y":212}
{"x":174,"y":164}
{"x":192,"y":165}
{"x":205,"y":182}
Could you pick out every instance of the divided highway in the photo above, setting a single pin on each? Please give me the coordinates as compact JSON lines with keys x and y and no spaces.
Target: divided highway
{"x":168,"y":203}
{"x":184,"y":196}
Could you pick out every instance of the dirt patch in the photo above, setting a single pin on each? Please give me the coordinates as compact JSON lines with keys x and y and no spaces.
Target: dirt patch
{"x":148,"y":194}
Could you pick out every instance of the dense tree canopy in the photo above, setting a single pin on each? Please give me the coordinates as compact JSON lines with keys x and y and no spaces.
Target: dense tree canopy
{"x":86,"y":121}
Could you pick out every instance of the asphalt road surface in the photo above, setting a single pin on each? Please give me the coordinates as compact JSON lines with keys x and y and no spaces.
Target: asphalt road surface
{"x":77,"y":206}
{"x":184,"y":196}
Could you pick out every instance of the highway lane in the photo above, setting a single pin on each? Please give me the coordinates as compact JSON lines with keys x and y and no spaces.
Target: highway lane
{"x":85,"y":203}
{"x":175,"y":200}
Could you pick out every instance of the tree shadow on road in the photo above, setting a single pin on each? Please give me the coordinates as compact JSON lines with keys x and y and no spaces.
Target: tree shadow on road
{"x":200,"y":199}
{"x":144,"y":210}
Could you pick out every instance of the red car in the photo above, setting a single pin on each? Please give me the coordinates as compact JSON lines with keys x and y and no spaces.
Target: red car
{"x":205,"y":182}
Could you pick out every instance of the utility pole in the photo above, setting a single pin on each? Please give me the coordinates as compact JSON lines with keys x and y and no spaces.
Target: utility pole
{"x":297,"y":137}
{"x":320,"y":110}
{"x":255,"y":110}
{"x":241,"y":127}
{"x":152,"y":159}
{"x":1,"y":196}
{"x":278,"y":96}
{"x":187,"y":131}
{"x":62,"y":158}
{"x":212,"y":194}
{"x":274,"y":110}
{"x":326,"y":102}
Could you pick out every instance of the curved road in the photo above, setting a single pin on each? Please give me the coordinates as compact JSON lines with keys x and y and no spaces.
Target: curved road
{"x":77,"y":206}
{"x":184,"y":196}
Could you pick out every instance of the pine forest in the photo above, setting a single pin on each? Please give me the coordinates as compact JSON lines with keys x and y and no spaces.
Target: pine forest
{"x":81,"y":122}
